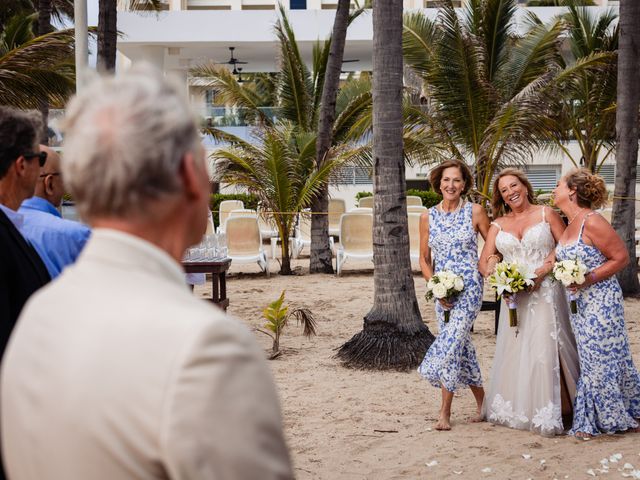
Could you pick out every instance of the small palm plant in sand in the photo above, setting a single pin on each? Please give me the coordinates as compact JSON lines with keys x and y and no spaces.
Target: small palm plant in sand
{"x":277,"y":315}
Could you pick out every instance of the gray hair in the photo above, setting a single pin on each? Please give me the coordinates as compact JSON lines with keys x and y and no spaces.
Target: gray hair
{"x":125,"y":139}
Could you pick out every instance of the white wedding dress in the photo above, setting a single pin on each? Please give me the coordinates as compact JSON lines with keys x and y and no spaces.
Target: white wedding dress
{"x":525,"y":382}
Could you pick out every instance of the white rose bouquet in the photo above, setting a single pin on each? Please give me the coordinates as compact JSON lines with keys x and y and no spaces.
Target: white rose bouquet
{"x":444,"y":285}
{"x":568,"y":272}
{"x":511,"y":278}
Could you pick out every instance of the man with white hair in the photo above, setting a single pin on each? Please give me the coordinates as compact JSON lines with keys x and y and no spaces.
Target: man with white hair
{"x":57,"y":240}
{"x":116,"y":370}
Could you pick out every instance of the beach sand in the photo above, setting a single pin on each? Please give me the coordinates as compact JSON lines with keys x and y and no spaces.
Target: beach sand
{"x":349,"y":424}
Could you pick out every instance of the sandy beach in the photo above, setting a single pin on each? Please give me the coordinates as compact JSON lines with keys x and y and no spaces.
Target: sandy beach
{"x":348,"y":424}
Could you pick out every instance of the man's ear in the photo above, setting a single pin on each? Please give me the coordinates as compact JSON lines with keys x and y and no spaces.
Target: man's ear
{"x":48,"y":185}
{"x":20,"y":165}
{"x":189,"y":176}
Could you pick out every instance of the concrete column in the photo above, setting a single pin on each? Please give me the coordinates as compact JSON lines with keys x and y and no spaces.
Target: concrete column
{"x":82,"y":42}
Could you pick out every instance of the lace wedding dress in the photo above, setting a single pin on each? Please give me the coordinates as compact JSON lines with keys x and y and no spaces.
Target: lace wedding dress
{"x":528,"y":368}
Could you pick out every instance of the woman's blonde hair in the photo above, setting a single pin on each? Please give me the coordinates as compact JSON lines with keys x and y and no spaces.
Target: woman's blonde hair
{"x":498,"y":205}
{"x":591,"y":191}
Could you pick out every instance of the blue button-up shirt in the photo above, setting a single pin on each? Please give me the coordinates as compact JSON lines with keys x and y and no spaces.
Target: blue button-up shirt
{"x":58,"y":241}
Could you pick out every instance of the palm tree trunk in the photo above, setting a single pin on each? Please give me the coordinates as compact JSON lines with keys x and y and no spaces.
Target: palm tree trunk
{"x":320,"y":257}
{"x":624,"y":209}
{"x":393,"y":335}
{"x":107,"y":35}
{"x":285,"y":267}
{"x":44,"y":27}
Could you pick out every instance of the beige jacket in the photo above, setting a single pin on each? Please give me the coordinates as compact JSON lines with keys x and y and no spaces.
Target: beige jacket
{"x":116,"y":371}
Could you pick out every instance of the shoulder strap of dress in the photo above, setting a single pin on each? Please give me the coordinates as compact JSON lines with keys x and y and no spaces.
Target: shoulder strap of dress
{"x":544,"y":209}
{"x":497,"y":225}
{"x":583,"y":222}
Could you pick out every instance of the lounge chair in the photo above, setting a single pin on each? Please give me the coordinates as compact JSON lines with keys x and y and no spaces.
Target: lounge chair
{"x":244,"y":241}
{"x":336,"y":209}
{"x":269,"y":231}
{"x":414,"y":200}
{"x":302,"y":236}
{"x":356,"y":238}
{"x":225,"y":208}
{"x":414,"y":235}
{"x":416,"y":209}
{"x":366,"y":202}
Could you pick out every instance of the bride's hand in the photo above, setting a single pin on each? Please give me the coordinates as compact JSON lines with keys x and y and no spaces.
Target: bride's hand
{"x":541,"y":273}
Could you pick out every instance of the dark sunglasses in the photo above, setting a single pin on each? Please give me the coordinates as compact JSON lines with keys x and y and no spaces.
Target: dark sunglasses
{"x":42,"y":157}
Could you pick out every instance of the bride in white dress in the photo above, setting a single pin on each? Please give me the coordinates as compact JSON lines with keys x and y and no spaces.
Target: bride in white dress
{"x":535,"y":367}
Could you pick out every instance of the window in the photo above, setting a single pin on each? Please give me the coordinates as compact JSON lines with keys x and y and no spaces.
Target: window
{"x":351,"y":176}
{"x":298,"y":4}
{"x":543,"y":177}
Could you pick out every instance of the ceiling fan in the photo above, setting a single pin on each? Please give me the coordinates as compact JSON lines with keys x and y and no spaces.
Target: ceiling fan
{"x":239,"y":72}
{"x":233,"y":60}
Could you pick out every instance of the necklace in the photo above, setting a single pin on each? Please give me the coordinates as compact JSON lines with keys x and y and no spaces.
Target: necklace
{"x":457,"y":209}
{"x":574,"y":217}
{"x":451,"y":217}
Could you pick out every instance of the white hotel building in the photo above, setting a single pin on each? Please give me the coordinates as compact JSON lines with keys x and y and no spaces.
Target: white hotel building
{"x":192,"y":32}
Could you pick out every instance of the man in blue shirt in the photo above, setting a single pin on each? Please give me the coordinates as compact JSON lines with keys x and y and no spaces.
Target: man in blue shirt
{"x":58,"y":241}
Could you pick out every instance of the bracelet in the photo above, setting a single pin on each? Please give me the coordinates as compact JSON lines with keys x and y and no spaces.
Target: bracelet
{"x":492,"y":256}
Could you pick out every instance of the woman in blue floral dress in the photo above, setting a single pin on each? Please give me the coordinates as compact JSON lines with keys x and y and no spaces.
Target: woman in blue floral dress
{"x":448,"y":241}
{"x":608,"y":392}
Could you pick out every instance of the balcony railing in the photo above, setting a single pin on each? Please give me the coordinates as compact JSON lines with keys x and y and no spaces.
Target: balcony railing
{"x":235,"y":117}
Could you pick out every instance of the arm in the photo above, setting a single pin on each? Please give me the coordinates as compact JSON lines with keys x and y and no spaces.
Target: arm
{"x":481,"y":222}
{"x":490,"y":255}
{"x":425,"y":251}
{"x":602,"y":236}
{"x":222,"y":416}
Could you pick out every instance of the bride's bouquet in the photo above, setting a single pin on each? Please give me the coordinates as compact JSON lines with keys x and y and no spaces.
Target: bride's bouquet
{"x":444,"y":284}
{"x":511,"y":278}
{"x":568,"y":272}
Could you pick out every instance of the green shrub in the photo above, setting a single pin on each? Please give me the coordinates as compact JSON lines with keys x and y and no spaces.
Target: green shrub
{"x":250,"y":201}
{"x":429,"y":197}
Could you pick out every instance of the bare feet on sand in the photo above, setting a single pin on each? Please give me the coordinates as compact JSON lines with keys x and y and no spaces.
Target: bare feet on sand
{"x":583,"y":435}
{"x":444,"y":421}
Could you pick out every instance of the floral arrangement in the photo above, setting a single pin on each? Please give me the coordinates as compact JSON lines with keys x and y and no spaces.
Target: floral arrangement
{"x":444,"y":285}
{"x":511,"y":278}
{"x":570,"y":272}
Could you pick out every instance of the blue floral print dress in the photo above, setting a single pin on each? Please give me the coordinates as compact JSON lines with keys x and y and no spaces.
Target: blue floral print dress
{"x":608,"y":392}
{"x":451,"y":360}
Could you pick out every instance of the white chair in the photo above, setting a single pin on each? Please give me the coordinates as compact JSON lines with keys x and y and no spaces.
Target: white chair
{"x":366,"y":202}
{"x":244,"y":241}
{"x":361,"y":210}
{"x":416,"y":209}
{"x":269,"y":231}
{"x":302,"y":236}
{"x":414,"y":235}
{"x":356,"y":238}
{"x":225,"y":207}
{"x":414,"y":200}
{"x":243,"y":212}
{"x":336,"y":209}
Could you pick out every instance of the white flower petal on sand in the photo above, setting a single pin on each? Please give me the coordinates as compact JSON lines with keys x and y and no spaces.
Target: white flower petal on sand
{"x":526,"y":456}
{"x":615,"y":457}
{"x":458,"y":472}
{"x":486,"y":470}
{"x":627,"y":466}
{"x":432,"y":463}
{"x":591,"y":472}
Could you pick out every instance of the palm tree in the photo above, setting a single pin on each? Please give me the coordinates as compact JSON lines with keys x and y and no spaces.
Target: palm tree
{"x":490,"y":91}
{"x":320,"y":256}
{"x":393,"y":335}
{"x":35,"y":68}
{"x":587,"y":108}
{"x":627,"y":139}
{"x":281,"y":170}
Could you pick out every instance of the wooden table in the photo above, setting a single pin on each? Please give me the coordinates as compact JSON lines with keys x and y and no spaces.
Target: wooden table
{"x":218,"y":270}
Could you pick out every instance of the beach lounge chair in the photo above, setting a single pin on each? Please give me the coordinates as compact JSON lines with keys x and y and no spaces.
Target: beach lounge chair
{"x":302,"y":236}
{"x":414,"y":236}
{"x":416,"y":209}
{"x":414,"y":200}
{"x":244,"y":241}
{"x":356,"y":238}
{"x":366,"y":202}
{"x":269,"y":231}
{"x":336,"y":209}
{"x":225,"y":208}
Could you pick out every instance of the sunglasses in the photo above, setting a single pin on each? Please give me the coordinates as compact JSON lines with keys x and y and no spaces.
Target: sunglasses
{"x":42,"y":157}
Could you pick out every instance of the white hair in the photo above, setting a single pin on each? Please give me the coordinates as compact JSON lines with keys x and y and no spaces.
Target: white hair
{"x":124,"y":141}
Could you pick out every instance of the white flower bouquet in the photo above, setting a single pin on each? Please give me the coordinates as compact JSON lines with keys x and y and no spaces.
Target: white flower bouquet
{"x":511,"y":278}
{"x":444,"y":285}
{"x":569,"y":272}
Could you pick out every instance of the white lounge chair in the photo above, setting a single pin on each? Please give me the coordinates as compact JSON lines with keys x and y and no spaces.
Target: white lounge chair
{"x":361,"y":210}
{"x":356,"y":238}
{"x":244,"y":241}
{"x":414,"y":200}
{"x":366,"y":202}
{"x":225,"y":207}
{"x":336,"y":209}
{"x":302,"y":237}
{"x":414,"y":235}
{"x":416,"y":209}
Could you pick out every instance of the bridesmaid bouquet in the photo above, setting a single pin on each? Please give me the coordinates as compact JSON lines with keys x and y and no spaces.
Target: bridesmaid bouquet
{"x":511,"y":278}
{"x":568,"y":272}
{"x":444,"y":284}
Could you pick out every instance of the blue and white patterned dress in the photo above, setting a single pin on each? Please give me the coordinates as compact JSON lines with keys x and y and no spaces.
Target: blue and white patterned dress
{"x":608,"y":394}
{"x":451,"y":360}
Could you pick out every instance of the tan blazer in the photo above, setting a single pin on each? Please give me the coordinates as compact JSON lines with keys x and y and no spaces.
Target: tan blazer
{"x":116,"y":371}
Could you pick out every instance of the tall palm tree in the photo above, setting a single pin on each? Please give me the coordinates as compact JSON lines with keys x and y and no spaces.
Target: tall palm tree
{"x":393,"y":335}
{"x":490,"y":90}
{"x":587,"y":107}
{"x":281,"y":170}
{"x":35,"y":68}
{"x":320,"y":256}
{"x":624,"y":208}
